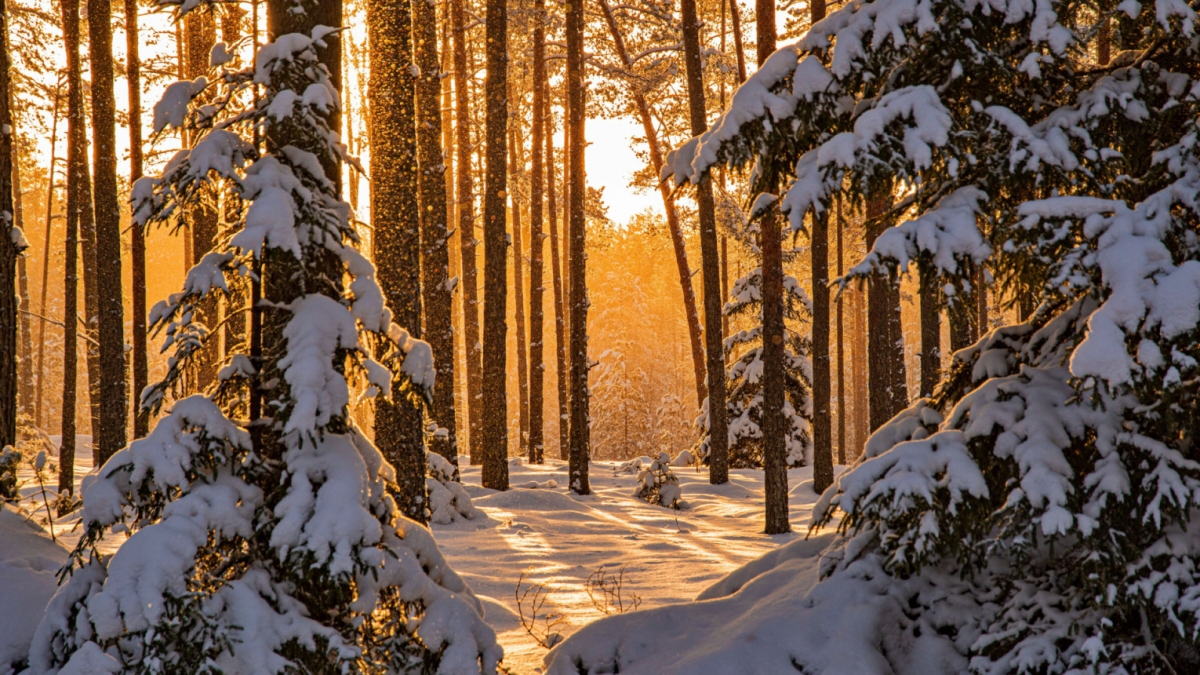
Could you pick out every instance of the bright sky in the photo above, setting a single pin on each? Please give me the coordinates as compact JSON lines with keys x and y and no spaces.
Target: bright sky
{"x":610,"y":164}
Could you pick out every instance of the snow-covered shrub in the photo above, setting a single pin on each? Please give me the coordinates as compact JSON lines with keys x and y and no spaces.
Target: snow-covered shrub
{"x":1053,"y":476}
{"x":657,"y":484}
{"x":448,"y":501}
{"x":268,"y":545}
{"x":10,"y":459}
{"x":743,"y":386}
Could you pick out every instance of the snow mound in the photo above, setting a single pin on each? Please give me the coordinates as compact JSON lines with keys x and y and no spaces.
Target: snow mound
{"x":774,"y":616}
{"x":541,"y":500}
{"x":29,"y":563}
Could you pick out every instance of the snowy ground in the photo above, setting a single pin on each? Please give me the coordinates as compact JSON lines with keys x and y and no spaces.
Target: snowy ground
{"x":559,"y":540}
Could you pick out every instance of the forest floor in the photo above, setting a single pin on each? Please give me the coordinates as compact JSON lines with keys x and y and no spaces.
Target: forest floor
{"x":546,"y":543}
{"x":559,"y":540}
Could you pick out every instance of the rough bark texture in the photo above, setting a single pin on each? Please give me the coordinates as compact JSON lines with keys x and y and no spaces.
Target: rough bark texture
{"x":133,"y":77}
{"x":435,"y":254}
{"x":885,"y":352}
{"x":677,"y":242}
{"x":466,"y":233}
{"x":391,"y":132}
{"x":516,"y":167}
{"x":111,"y":435}
{"x":8,"y":254}
{"x":962,"y":313}
{"x":494,"y":473}
{"x":840,"y":341}
{"x":775,"y":489}
{"x":41,"y":333}
{"x":822,"y":410}
{"x":77,"y":175}
{"x":736,"y":15}
{"x":537,"y":182}
{"x":560,"y":324}
{"x":580,"y":434}
{"x":718,"y":466}
{"x":931,"y":333}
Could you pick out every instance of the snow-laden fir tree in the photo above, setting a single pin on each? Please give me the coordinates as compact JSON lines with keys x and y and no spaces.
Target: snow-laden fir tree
{"x":743,"y":384}
{"x":1035,"y":515}
{"x":267,"y":545}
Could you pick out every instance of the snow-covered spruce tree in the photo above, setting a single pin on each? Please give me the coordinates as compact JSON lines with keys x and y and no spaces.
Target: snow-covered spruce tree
{"x":1034,"y":516}
{"x":268,"y":545}
{"x":743,"y":385}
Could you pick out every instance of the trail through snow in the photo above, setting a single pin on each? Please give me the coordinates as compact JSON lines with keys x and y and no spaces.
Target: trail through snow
{"x":558,"y":540}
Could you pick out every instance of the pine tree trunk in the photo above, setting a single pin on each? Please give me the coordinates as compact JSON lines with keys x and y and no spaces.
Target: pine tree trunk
{"x":677,"y":241}
{"x":516,"y":167}
{"x":77,"y":212}
{"x":960,"y":312}
{"x":560,"y":344}
{"x":898,"y":383}
{"x":718,"y":460}
{"x":391,"y":133}
{"x":435,"y":255}
{"x":580,"y":434}
{"x":41,"y":339}
{"x":931,"y":333}
{"x":736,"y":15}
{"x":537,"y":360}
{"x":860,"y":415}
{"x":983,"y":322}
{"x":111,"y":436}
{"x":8,"y":252}
{"x":24,"y":319}
{"x":841,"y":344}
{"x":236,"y":335}
{"x":775,"y":479}
{"x":494,"y":402}
{"x":883,"y":350}
{"x":141,"y":377}
{"x":822,"y":426}
{"x":466,"y":233}
{"x":200,"y":34}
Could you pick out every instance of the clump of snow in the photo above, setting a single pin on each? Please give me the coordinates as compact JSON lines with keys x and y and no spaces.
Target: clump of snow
{"x":448,"y":501}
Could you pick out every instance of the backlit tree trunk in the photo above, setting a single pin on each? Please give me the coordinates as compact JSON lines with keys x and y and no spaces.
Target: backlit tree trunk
{"x":718,"y":465}
{"x":516,"y":167}
{"x":466,"y":233}
{"x":8,"y":253}
{"x":41,"y":333}
{"x":495,"y":404}
{"x":560,"y":324}
{"x":137,"y":261}
{"x":200,"y":34}
{"x":931,"y":332}
{"x":537,"y":361}
{"x":435,"y":254}
{"x":391,"y":131}
{"x":111,"y":436}
{"x":580,"y":434}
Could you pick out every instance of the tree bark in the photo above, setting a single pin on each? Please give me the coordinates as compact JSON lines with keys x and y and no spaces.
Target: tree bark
{"x":468,"y":259}
{"x":931,"y":332}
{"x":516,"y":167}
{"x":77,"y":175}
{"x":495,"y":405}
{"x":841,"y":345}
{"x":580,"y":434}
{"x":41,"y":339}
{"x":435,"y":255}
{"x":111,"y":436}
{"x":537,"y":361}
{"x":391,"y":131}
{"x":736,"y":15}
{"x":8,"y":252}
{"x":24,"y":319}
{"x":885,"y":352}
{"x":133,"y":75}
{"x":822,"y":427}
{"x":775,"y":489}
{"x":677,"y":241}
{"x":560,"y":344}
{"x":718,"y":460}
